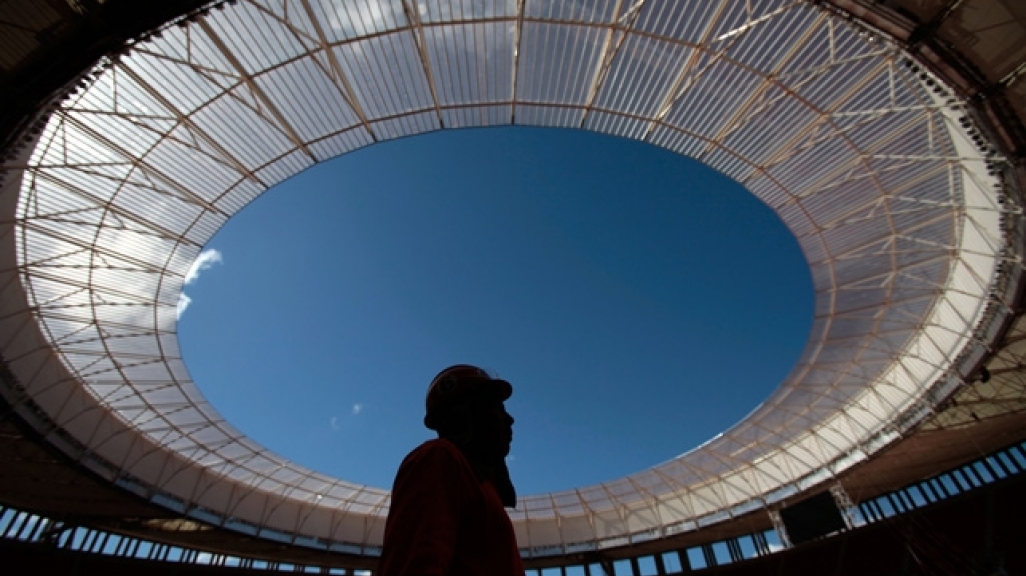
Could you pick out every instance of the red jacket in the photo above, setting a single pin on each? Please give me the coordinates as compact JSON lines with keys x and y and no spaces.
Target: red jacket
{"x":443,"y":521}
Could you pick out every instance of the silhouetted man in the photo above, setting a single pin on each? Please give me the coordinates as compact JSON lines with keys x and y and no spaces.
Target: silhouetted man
{"x":447,"y":516}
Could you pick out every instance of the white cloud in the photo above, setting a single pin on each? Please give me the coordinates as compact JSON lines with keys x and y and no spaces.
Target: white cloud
{"x":204,"y":261}
{"x":183,"y":303}
{"x":357,"y":408}
{"x":334,"y":423}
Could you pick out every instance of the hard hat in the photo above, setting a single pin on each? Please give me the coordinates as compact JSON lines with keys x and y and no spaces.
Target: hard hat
{"x":458,"y":383}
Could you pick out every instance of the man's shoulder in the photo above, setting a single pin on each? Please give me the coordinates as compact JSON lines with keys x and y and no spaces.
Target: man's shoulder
{"x":435,"y":458}
{"x":437,"y":449}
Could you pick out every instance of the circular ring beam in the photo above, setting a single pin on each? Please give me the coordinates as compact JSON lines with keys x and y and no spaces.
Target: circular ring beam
{"x":869,"y":160}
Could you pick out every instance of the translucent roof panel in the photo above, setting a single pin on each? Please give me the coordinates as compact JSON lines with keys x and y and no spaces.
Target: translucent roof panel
{"x":867,"y":159}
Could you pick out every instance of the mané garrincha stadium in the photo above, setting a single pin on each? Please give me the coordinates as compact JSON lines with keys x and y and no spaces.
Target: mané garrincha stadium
{"x":888,"y":136}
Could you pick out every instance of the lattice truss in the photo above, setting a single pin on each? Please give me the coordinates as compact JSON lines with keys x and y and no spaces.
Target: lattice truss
{"x":866,"y":158}
{"x":1002,"y":392}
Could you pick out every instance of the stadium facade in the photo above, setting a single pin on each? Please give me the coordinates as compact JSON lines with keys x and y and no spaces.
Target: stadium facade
{"x":887,"y":136}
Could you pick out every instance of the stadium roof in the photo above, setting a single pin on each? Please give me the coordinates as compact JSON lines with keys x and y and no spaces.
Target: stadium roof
{"x":878,"y":165}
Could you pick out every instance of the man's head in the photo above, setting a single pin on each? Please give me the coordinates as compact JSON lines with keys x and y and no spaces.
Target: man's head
{"x":465,"y":404}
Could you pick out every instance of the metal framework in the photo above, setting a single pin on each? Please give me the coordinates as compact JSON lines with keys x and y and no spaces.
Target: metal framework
{"x":873,"y":163}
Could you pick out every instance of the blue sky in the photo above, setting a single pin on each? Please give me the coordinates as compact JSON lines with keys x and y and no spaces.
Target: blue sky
{"x":639,"y":302}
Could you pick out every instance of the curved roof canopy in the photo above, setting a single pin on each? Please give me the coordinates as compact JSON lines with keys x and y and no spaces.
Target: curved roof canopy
{"x":869,"y":160}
